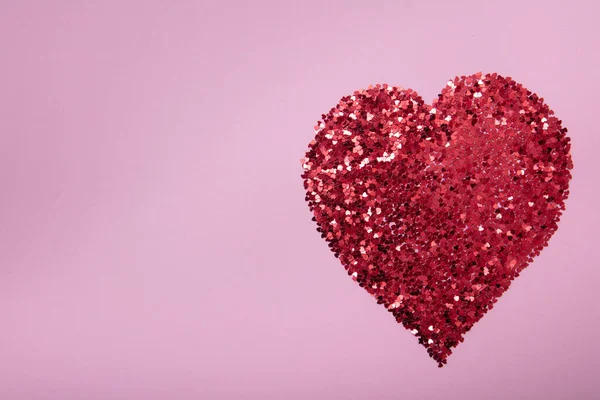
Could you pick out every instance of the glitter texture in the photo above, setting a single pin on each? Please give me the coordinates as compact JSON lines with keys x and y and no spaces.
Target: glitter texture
{"x":434,"y":210}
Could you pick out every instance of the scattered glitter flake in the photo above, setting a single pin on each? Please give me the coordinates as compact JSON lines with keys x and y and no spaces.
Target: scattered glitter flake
{"x":428,"y":205}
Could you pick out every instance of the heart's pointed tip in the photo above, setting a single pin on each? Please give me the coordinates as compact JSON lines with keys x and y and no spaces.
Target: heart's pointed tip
{"x":442,"y":361}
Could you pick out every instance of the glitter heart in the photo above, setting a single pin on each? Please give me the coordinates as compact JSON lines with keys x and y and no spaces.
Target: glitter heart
{"x":434,"y":210}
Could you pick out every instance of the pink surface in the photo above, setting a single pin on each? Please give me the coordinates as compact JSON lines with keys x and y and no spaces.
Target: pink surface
{"x":155,"y":243}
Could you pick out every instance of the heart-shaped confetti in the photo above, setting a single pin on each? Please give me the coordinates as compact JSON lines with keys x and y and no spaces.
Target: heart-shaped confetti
{"x":435,"y":209}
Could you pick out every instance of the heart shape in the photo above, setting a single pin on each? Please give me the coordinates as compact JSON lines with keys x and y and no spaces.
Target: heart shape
{"x":435,"y":209}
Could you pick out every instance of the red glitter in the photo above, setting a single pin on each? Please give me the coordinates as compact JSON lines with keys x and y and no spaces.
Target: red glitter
{"x":434,"y":210}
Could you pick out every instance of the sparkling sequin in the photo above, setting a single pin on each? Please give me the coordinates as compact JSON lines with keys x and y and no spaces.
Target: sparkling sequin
{"x":435,"y":209}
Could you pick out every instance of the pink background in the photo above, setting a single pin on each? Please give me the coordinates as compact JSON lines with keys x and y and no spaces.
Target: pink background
{"x":154,"y":240}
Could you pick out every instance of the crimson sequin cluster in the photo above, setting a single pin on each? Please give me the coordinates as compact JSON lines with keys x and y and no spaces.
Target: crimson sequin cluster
{"x":434,"y":209}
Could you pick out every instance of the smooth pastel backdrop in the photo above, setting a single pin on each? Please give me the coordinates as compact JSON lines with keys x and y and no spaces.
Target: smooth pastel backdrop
{"x":154,"y":240}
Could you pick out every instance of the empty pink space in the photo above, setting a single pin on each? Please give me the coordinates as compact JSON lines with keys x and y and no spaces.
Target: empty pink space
{"x":154,"y":239}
